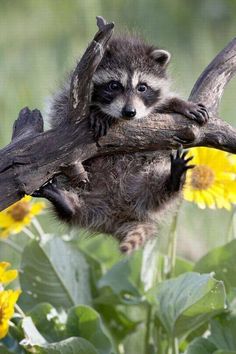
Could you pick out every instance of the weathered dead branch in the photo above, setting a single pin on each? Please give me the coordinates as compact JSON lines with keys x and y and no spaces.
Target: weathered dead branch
{"x":34,"y":156}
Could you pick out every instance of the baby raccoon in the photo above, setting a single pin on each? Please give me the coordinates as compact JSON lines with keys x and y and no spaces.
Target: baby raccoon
{"x":130,"y":83}
{"x":126,"y":193}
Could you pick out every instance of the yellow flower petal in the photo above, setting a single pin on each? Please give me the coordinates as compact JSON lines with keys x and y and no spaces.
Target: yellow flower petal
{"x":188,"y":195}
{"x":5,"y":220}
{"x":17,"y":216}
{"x":8,"y":299}
{"x":212,"y":183}
{"x":4,"y":326}
{"x":4,"y":233}
{"x":4,"y":266}
{"x":37,"y":208}
{"x":6,"y":276}
{"x":27,"y":198}
{"x":9,"y":276}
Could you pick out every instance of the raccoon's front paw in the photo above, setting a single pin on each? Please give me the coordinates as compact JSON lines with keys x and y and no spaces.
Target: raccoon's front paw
{"x":196,"y":111}
{"x":100,"y":125}
{"x":179,"y":166}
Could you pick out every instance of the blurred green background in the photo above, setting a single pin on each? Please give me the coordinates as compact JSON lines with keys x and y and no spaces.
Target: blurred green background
{"x":40,"y":41}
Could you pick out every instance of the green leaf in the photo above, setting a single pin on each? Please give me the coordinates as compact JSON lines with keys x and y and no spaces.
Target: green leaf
{"x":67,"y":346}
{"x":49,"y":322}
{"x":135,"y":342}
{"x":221,"y":261}
{"x":182,"y":266}
{"x":223,"y":332}
{"x":116,"y":287}
{"x":54,"y":273}
{"x":85,"y":322}
{"x":117,"y":321}
{"x":32,"y":335}
{"x":149,"y":267}
{"x":200,"y":346}
{"x":198,"y":332}
{"x":95,"y":270}
{"x":186,"y":302}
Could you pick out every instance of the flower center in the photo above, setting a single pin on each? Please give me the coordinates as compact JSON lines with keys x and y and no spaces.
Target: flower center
{"x":202,"y":177}
{"x":20,"y":210}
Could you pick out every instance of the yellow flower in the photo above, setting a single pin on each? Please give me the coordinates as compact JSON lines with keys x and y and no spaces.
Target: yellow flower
{"x":6,"y":276}
{"x":8,"y":298}
{"x":18,"y":215}
{"x":212,"y":182}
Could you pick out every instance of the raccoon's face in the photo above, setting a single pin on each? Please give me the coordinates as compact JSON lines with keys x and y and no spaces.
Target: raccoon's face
{"x":131,"y":89}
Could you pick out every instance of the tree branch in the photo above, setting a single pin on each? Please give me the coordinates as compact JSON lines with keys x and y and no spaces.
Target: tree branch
{"x":34,"y":156}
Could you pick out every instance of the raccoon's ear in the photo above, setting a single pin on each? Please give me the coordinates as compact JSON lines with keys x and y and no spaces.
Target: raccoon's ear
{"x":161,"y":56}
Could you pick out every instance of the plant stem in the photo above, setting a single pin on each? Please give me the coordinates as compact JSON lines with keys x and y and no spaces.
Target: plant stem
{"x":20,"y":311}
{"x":172,"y":246}
{"x":29,"y":233}
{"x":12,"y":245}
{"x":230,"y":228}
{"x":148,"y":329}
{"x":159,"y":340}
{"x":38,"y":227}
{"x":121,"y":349}
{"x":175,"y":346}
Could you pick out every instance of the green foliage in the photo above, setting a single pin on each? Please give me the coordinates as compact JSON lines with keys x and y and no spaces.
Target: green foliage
{"x":85,"y":322}
{"x":72,"y":300}
{"x":201,"y":345}
{"x":117,"y":288}
{"x":49,"y":322}
{"x":67,"y":346}
{"x":186,"y":302}
{"x":55,"y":273}
{"x":223,"y":329}
{"x":221,"y":261}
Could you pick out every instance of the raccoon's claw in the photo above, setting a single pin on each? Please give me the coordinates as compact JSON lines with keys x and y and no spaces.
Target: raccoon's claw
{"x":99,"y":126}
{"x":197,"y":112}
{"x":179,"y":166}
{"x":51,"y":192}
{"x":46,"y":189}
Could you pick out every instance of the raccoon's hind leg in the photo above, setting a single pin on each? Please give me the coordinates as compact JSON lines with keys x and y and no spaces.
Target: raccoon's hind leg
{"x":192,"y":110}
{"x":133,"y":235}
{"x":88,"y":211}
{"x":63,"y":203}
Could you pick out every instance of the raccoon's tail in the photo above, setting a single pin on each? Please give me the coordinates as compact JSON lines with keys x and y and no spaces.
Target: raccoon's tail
{"x":134,"y":235}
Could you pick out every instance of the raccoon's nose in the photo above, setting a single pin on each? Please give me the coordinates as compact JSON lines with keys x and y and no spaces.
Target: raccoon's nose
{"x":128,"y":112}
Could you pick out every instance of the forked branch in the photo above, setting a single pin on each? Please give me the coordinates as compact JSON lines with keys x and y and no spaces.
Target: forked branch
{"x":34,"y":156}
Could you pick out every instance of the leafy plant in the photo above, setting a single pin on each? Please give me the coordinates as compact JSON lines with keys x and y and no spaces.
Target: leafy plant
{"x":83,"y":300}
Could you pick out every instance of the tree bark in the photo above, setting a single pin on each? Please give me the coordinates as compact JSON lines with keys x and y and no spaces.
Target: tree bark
{"x":33,"y":156}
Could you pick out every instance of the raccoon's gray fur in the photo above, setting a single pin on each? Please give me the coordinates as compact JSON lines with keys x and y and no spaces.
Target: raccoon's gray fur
{"x":126,"y":194}
{"x":130,"y":83}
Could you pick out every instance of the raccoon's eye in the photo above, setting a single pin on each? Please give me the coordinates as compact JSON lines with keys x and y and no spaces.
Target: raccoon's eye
{"x":142,"y":87}
{"x":114,"y":86}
